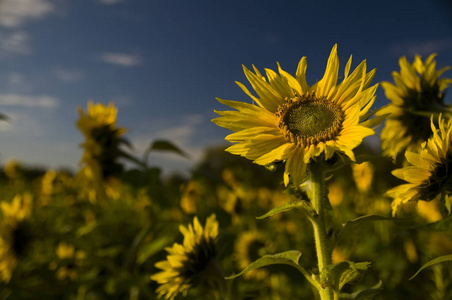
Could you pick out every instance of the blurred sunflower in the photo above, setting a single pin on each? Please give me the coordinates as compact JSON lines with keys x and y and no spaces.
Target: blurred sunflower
{"x":429,"y":173}
{"x":191,"y":263}
{"x":14,"y":233}
{"x":417,"y":94}
{"x":294,"y":122}
{"x":363,"y":174}
{"x":250,"y":246}
{"x":67,"y":262}
{"x":99,"y":163}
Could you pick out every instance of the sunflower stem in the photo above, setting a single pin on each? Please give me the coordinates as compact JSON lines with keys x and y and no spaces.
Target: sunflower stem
{"x":322,"y":243}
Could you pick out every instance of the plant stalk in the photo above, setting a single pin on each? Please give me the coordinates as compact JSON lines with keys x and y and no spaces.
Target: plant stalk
{"x":322,"y":243}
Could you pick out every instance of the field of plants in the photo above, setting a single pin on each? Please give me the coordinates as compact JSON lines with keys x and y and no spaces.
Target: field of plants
{"x":298,"y":207}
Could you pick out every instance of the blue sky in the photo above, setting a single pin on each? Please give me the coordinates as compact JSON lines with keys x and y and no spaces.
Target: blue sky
{"x":163,"y":62}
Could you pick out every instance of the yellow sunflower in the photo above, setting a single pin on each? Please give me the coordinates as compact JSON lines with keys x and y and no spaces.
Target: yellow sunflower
{"x":99,"y":163}
{"x":429,"y":173}
{"x":418,"y":92}
{"x":193,"y":261}
{"x":102,"y":139}
{"x":14,"y":236}
{"x":250,"y":246}
{"x":294,"y":122}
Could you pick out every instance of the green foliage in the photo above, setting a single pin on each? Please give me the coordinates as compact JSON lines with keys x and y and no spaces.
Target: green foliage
{"x":285,"y":258}
{"x":303,"y":205}
{"x":434,"y":261}
{"x":337,"y":275}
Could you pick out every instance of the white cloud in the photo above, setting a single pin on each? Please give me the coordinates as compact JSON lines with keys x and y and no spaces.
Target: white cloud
{"x":24,"y":123}
{"x":109,"y":2}
{"x":15,"y":79}
{"x":15,"y":42}
{"x":183,"y":131}
{"x":14,"y":13}
{"x":423,"y":48}
{"x":121,"y":59}
{"x":67,"y":75}
{"x":28,"y":101}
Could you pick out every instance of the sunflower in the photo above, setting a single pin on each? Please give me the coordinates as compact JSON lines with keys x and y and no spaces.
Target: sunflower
{"x":250,"y":246}
{"x":418,"y":92}
{"x":429,"y":173}
{"x":363,"y":175}
{"x":14,"y":233}
{"x":102,"y":139}
{"x":191,"y":262}
{"x":99,"y":163}
{"x":294,"y":122}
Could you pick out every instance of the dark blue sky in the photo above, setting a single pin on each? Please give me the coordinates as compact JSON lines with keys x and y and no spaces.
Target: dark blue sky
{"x":164,"y":62}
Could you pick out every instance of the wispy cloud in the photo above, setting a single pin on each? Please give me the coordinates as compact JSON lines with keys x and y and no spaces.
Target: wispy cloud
{"x":14,"y":13}
{"x":67,"y":75}
{"x":185,"y":131}
{"x":422,"y":48}
{"x":121,"y":59}
{"x":15,"y":42}
{"x":24,"y":123}
{"x":109,"y":2}
{"x":28,"y":101}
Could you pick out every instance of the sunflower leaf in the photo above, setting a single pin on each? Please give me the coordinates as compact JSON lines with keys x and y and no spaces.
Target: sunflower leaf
{"x":433,"y":262}
{"x":301,"y":204}
{"x":285,"y":258}
{"x":162,"y":145}
{"x":369,"y":218}
{"x":337,"y":275}
{"x":363,"y":294}
{"x":3,"y":117}
{"x":441,"y":225}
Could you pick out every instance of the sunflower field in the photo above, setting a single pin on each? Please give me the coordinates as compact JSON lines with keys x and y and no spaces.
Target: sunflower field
{"x":299,"y":206}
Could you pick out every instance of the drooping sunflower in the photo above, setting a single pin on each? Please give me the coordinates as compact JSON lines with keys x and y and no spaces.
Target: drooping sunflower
{"x":429,"y":173}
{"x":294,"y":122}
{"x":418,"y":92}
{"x":190,"y":263}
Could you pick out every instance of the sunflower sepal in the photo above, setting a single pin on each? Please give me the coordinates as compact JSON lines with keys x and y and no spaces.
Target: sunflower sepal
{"x":337,"y":275}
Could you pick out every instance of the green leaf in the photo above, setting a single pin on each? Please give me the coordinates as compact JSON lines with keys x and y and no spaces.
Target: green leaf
{"x":162,"y":145}
{"x":433,"y":262}
{"x":302,"y":204}
{"x":3,"y":117}
{"x":369,"y":218}
{"x":152,"y":247}
{"x":131,"y":158}
{"x":441,"y":225}
{"x":363,"y":294}
{"x":286,"y":258}
{"x":337,"y":275}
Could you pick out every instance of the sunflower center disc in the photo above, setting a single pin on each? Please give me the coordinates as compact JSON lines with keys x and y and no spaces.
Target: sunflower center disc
{"x":307,"y":120}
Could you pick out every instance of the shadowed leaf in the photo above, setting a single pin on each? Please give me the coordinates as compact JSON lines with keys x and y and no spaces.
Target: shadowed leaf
{"x":337,"y":275}
{"x":301,"y":204}
{"x":434,"y":262}
{"x":366,"y":294}
{"x":286,"y":258}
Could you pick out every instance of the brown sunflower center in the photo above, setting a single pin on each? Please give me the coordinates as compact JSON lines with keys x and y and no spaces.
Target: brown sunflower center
{"x":306,"y":120}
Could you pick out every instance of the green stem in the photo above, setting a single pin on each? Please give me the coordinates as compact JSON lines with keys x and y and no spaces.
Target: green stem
{"x":322,"y":244}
